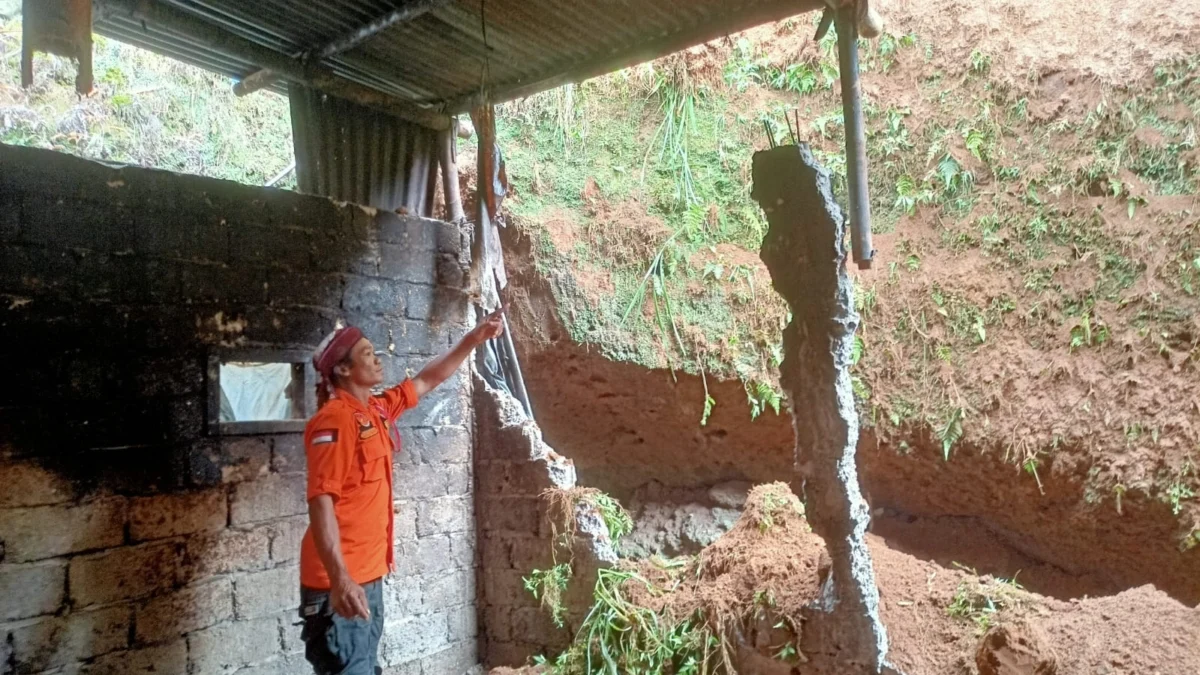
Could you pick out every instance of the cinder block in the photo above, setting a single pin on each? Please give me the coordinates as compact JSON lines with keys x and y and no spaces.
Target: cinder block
{"x":165,"y":659}
{"x":511,"y":652}
{"x":415,"y":233}
{"x":449,"y":590}
{"x":433,"y":555}
{"x":407,"y":263}
{"x":32,"y":590}
{"x":166,"y":617}
{"x":374,"y":296}
{"x":227,"y":551}
{"x":405,"y":524}
{"x":243,"y":458}
{"x":448,"y":405}
{"x":458,"y":479}
{"x":27,"y":484}
{"x":440,"y":445}
{"x":270,"y":246}
{"x":458,"y":659}
{"x":290,"y":631}
{"x":289,"y":288}
{"x":287,"y":454}
{"x":170,"y":515}
{"x":420,"y":481}
{"x":495,"y":551}
{"x":286,"y":535}
{"x":462,"y":549}
{"x":124,"y":573}
{"x":267,"y":498}
{"x":497,"y":623}
{"x":269,"y":592}
{"x":506,"y":587}
{"x":522,"y":515}
{"x":404,"y":596}
{"x":47,"y":531}
{"x":412,"y":638}
{"x":445,"y":515}
{"x":42,"y":644}
{"x":419,"y":301}
{"x":528,"y":552}
{"x":514,"y":478}
{"x":232,"y":645}
{"x":533,"y":624}
{"x":284,"y":664}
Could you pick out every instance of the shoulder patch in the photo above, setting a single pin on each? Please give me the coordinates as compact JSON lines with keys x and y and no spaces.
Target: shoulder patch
{"x":324,"y":436}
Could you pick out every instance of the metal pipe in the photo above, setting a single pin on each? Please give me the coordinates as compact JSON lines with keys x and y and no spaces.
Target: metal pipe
{"x":411,"y":10}
{"x":280,"y":176}
{"x":856,"y":143}
{"x":446,"y":158}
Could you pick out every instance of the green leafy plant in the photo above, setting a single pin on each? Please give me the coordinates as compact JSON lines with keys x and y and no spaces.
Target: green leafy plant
{"x":1088,"y":334}
{"x":950,"y":431}
{"x":615,"y":517}
{"x":980,"y":62}
{"x":1179,"y":490}
{"x":762,"y":397}
{"x":547,"y":587}
{"x":619,"y":636}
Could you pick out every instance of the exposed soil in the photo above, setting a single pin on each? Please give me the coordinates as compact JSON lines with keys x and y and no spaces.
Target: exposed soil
{"x":764,"y":581}
{"x":1062,"y":476}
{"x":630,"y":430}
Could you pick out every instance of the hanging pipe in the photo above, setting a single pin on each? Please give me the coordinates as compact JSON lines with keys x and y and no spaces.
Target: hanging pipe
{"x":856,"y":144}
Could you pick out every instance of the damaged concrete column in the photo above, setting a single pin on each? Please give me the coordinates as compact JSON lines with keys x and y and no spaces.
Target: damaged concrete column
{"x":804,"y":249}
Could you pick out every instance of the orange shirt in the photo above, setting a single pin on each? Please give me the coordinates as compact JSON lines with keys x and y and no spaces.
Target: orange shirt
{"x":349,"y":448}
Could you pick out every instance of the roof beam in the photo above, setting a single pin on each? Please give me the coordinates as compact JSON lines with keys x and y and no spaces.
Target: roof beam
{"x":719,"y":26}
{"x":411,"y":10}
{"x":311,"y":75}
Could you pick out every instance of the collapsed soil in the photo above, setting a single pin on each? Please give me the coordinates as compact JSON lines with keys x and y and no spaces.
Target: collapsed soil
{"x":764,"y":581}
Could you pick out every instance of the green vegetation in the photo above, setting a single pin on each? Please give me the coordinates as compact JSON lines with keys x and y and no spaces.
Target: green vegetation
{"x":980,"y":602}
{"x":146,"y":110}
{"x":548,"y":586}
{"x":621,"y":636}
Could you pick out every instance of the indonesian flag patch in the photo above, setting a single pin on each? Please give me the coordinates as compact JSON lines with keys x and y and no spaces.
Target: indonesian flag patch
{"x":324,"y":436}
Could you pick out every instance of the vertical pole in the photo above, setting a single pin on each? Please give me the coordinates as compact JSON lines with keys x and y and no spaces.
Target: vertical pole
{"x":856,"y":143}
{"x":447,"y":158}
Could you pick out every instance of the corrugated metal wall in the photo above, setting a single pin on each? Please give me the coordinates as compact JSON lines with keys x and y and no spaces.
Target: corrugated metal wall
{"x":355,"y":154}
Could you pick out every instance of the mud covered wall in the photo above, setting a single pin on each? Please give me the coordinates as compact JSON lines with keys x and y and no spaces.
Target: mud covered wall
{"x":131,"y":538}
{"x":519,"y":531}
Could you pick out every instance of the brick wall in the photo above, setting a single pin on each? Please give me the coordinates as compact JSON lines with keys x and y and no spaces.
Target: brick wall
{"x":515,"y":467}
{"x":131,"y":539}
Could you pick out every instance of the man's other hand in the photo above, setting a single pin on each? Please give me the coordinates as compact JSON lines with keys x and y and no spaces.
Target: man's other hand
{"x":349,"y":599}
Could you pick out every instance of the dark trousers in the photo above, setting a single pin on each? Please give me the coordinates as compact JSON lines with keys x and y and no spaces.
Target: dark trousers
{"x":335,"y":645}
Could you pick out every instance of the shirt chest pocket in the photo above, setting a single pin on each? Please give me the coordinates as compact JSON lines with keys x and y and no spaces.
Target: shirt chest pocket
{"x":375,"y":454}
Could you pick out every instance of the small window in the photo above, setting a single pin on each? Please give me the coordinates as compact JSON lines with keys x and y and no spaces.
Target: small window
{"x":259,"y":392}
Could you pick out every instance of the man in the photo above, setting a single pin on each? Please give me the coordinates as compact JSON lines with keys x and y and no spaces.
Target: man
{"x":347,"y":549}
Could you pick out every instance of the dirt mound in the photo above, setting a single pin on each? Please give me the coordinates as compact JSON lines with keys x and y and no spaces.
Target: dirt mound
{"x":1019,"y":649}
{"x":1108,"y":41}
{"x":764,"y":584}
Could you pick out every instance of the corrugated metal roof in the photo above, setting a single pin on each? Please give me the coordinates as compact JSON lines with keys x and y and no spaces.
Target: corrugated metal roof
{"x":354,"y":154}
{"x":438,"y":58}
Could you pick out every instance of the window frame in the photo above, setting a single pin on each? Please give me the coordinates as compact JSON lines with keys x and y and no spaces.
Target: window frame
{"x":304,"y":378}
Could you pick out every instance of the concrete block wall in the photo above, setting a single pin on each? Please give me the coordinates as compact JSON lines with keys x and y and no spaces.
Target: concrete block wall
{"x":133,"y":540}
{"x":514,"y":468}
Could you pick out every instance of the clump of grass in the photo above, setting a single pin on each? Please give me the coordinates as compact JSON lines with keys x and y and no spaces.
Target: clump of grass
{"x":547,"y":587}
{"x":980,"y":602}
{"x":620,"y":636}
